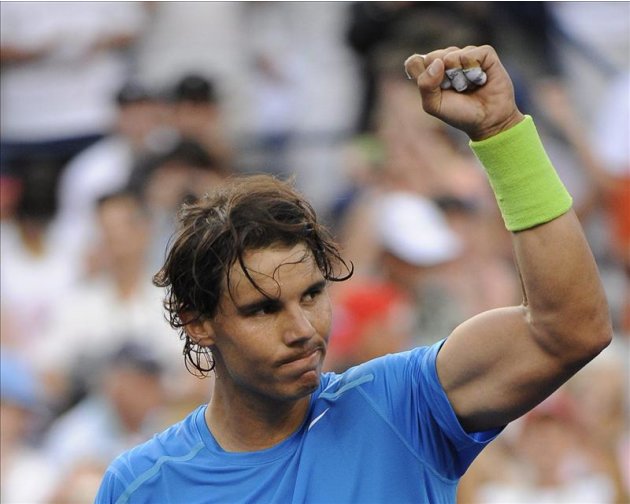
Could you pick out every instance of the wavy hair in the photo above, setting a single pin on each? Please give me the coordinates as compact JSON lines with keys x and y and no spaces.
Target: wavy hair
{"x":247,"y":213}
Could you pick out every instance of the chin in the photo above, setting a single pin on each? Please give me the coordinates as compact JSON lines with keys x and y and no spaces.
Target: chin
{"x":307,"y":384}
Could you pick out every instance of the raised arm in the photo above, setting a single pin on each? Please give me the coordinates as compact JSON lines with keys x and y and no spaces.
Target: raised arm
{"x":501,"y":363}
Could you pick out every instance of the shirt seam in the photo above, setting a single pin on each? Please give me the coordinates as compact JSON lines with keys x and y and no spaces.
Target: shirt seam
{"x":155,"y":469}
{"x":404,"y":441}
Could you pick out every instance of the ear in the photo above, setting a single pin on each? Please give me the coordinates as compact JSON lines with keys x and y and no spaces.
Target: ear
{"x":200,"y":330}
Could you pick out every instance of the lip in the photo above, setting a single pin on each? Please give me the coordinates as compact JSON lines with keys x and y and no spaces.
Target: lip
{"x":304,"y":361}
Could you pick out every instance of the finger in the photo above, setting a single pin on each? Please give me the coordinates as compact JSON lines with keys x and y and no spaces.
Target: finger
{"x":457,"y":78}
{"x":417,"y":63}
{"x":414,"y":66}
{"x":464,"y":69}
{"x":439,"y":54}
{"x":446,"y":83}
{"x":472,"y":67}
{"x":475,"y":75}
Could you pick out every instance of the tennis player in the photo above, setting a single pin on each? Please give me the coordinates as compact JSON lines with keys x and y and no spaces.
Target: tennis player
{"x":246,"y":281}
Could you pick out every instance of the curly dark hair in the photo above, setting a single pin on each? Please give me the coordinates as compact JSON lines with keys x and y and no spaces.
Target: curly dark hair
{"x":247,"y":213}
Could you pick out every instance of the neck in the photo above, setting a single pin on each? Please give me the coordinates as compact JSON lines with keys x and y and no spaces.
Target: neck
{"x":242,"y":423}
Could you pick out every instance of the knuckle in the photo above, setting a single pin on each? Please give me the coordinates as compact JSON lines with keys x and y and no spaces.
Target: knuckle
{"x":451,"y":60}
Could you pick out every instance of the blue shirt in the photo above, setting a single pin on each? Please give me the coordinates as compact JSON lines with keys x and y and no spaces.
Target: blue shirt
{"x":381,"y":432}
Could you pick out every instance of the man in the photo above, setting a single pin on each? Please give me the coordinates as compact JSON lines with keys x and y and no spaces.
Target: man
{"x":247,"y":276}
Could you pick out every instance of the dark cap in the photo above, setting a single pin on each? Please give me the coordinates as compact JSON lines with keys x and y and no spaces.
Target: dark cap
{"x":132,"y":92}
{"x":194,"y":88}
{"x":135,"y":356}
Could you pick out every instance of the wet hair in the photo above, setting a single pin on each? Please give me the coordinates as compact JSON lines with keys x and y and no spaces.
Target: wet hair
{"x":247,"y":213}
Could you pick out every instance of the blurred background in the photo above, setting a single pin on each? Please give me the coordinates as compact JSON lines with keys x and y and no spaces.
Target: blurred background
{"x":114,"y":113}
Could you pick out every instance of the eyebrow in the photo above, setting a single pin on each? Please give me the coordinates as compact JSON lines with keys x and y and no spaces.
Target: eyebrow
{"x":253,"y":307}
{"x":267,"y":302}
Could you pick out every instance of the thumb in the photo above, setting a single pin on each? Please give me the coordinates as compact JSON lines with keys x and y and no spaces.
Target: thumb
{"x":429,"y":84}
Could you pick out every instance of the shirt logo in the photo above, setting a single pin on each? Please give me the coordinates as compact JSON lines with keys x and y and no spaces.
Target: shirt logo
{"x":317,"y":419}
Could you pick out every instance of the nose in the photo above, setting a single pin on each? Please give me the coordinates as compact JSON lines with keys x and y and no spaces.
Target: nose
{"x":297,"y":327}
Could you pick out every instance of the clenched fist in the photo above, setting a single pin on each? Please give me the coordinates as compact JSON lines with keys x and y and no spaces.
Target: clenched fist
{"x":480,"y":106}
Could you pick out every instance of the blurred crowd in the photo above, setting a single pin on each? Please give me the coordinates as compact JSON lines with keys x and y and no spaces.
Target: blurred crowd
{"x":115,"y":113}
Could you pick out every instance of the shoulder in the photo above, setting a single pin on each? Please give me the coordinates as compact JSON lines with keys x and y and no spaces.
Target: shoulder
{"x":402,"y":365}
{"x":390,"y":371}
{"x":179,"y":442}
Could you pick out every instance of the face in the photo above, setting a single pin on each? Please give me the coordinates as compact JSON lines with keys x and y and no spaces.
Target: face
{"x":123,"y":228}
{"x":272,"y":348}
{"x":135,"y":394}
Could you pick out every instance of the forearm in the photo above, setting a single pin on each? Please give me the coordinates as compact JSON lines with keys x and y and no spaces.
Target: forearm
{"x":566,"y":306}
{"x":564,"y":298}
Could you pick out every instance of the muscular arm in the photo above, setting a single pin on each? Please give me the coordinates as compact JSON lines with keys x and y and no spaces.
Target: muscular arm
{"x":499,"y":364}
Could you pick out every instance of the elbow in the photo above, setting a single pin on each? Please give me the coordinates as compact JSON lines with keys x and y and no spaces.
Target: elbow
{"x":599,"y":325}
{"x":604,"y":334}
{"x":598,"y":339}
{"x":575,"y":339}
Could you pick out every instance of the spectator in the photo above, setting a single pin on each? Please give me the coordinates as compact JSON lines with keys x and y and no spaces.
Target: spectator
{"x":382,"y":33}
{"x":372,"y":318}
{"x":123,"y":407}
{"x":61,"y":63}
{"x":547,"y":459}
{"x":403,"y":238}
{"x":21,"y":412}
{"x":36,"y":270}
{"x":611,"y":130}
{"x":106,"y":309}
{"x":140,"y":131}
{"x":186,"y":171}
{"x":197,"y":116}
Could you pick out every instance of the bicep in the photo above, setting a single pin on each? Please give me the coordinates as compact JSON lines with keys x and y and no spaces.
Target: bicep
{"x":494,"y":368}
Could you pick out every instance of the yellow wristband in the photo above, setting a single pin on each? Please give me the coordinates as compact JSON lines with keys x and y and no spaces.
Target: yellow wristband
{"x":525,"y":183}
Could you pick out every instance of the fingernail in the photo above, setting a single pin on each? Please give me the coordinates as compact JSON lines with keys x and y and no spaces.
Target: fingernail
{"x":433,"y":68}
{"x":476,"y":75}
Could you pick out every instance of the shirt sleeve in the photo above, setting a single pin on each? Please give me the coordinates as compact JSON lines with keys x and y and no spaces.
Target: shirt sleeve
{"x":414,"y":401}
{"x":462,"y":446}
{"x":110,"y":490}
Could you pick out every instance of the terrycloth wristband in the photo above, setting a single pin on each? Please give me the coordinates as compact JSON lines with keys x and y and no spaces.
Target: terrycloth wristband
{"x":525,"y":183}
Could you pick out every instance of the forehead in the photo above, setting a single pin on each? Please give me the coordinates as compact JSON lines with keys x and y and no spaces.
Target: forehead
{"x":273,"y":268}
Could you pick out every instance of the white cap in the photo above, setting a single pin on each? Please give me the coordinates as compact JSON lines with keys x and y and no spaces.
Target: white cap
{"x":414,"y":229}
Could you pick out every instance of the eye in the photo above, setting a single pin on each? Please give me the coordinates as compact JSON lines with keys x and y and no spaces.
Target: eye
{"x":266,"y":310}
{"x":261,"y":309}
{"x":312,"y":293}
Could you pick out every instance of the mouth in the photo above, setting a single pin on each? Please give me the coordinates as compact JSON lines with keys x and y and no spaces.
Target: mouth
{"x":304,"y":361}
